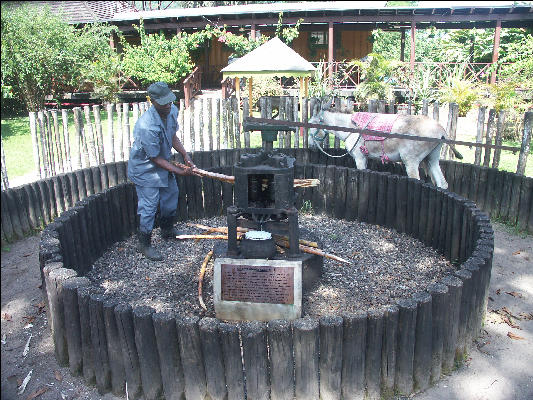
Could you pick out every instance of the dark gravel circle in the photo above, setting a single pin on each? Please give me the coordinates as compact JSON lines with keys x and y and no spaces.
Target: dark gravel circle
{"x":386,"y":266}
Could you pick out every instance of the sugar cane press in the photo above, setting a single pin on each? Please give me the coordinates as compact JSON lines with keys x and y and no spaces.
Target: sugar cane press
{"x":264,"y":203}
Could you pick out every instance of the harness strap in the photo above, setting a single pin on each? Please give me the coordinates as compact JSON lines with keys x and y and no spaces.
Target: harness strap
{"x":363,"y":148}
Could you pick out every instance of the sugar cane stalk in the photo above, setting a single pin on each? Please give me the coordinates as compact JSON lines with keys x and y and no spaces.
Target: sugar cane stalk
{"x":279,"y":242}
{"x":210,"y":229}
{"x":303,"y":183}
{"x":201,"y":279}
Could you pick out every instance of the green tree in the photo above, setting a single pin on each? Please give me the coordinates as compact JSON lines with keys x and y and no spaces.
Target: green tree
{"x":42,"y":54}
{"x":517,"y":64}
{"x":427,"y":44}
{"x":160,"y":59}
{"x":99,"y":66}
{"x":476,"y":45}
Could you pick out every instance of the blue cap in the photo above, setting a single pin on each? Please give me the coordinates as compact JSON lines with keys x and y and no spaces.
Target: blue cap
{"x":161,"y":93}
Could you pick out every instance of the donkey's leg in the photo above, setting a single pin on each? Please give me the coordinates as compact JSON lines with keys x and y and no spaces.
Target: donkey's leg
{"x":356,"y":153}
{"x":411,"y":167}
{"x":434,"y":168}
{"x":360,"y":159}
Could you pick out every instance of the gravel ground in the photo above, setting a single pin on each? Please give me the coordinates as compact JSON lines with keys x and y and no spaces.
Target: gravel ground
{"x":385,"y":267}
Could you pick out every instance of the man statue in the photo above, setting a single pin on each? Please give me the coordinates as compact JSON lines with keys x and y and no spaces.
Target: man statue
{"x":149,"y":168}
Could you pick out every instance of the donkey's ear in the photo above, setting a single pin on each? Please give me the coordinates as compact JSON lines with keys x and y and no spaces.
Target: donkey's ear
{"x":326,"y":102}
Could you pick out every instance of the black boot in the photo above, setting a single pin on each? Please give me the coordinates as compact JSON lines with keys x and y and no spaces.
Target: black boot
{"x":144,"y":246}
{"x":167,"y":228}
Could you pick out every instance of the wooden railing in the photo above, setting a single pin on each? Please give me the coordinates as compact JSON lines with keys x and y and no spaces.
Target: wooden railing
{"x":192,"y":85}
{"x":348,"y":76}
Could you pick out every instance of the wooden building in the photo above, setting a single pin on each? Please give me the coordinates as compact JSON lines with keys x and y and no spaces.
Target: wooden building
{"x":331,"y":31}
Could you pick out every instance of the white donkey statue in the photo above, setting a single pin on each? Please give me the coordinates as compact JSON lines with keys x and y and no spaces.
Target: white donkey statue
{"x":410,"y":152}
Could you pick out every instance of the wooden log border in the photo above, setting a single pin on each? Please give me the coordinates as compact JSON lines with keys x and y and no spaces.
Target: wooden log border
{"x":374,"y":353}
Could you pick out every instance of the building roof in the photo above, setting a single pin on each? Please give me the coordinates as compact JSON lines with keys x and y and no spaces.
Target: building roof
{"x":254,"y":8}
{"x":273,"y":58}
{"x":82,"y":12}
{"x":366,"y":14}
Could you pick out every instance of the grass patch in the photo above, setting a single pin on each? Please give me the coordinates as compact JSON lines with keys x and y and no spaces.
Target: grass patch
{"x":510,"y":228}
{"x":18,"y":148}
{"x":16,"y":140}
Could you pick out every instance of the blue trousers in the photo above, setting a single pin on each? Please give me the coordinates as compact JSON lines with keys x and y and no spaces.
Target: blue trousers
{"x":150,"y":197}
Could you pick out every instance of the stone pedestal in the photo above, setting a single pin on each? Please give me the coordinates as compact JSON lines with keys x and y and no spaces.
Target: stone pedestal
{"x":257,"y":290}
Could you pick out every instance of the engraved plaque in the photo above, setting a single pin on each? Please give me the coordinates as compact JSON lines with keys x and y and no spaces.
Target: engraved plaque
{"x":257,"y":283}
{"x":257,"y":289}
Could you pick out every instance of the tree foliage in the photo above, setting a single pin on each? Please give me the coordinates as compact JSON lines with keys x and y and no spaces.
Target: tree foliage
{"x":476,"y":45}
{"x":241,"y":45}
{"x":158,"y":58}
{"x":42,"y":54}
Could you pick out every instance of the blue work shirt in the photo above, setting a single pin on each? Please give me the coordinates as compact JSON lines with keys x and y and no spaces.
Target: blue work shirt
{"x":151,"y":139}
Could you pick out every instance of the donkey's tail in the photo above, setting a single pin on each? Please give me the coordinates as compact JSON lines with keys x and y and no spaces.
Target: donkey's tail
{"x":455,"y":152}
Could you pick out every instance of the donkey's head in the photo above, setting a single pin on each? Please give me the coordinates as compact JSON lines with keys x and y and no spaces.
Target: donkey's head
{"x":316,"y":136}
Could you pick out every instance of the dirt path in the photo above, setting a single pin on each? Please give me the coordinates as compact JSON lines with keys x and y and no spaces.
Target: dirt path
{"x":499,"y":368}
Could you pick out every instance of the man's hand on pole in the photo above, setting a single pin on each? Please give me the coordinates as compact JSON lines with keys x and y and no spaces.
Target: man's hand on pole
{"x":188,"y":161}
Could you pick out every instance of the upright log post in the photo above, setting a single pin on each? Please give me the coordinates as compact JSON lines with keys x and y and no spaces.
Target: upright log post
{"x":78,"y":122}
{"x":119,"y":132}
{"x":42,"y":135}
{"x":225,"y":123}
{"x":436,"y":115}
{"x":5,"y":180}
{"x":382,"y":105}
{"x":479,"y":134}
{"x":109,"y":108}
{"x":90,"y":136}
{"x":49,"y":143}
{"x":246,"y":113}
{"x":305,"y":118}
{"x":181,"y":120}
{"x":526,"y":140}
{"x":306,"y":365}
{"x":66,"y":139}
{"x":210,"y":122}
{"x":35,"y":145}
{"x":500,"y":127}
{"x":192,"y":132}
{"x":126,"y":129}
{"x":281,"y":358}
{"x":217,"y":110}
{"x":451,"y":130}
{"x":99,"y":134}
{"x":58,"y":146}
{"x":201,"y":116}
{"x":135,"y":109}
{"x":236,"y":121}
{"x":425,"y":106}
{"x":488,"y":136}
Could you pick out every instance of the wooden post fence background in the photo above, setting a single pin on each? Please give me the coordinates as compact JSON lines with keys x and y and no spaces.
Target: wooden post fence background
{"x":68,"y":143}
{"x":78,"y":139}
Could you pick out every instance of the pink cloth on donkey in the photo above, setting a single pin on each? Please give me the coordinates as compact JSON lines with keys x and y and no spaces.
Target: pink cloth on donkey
{"x":375,"y":122}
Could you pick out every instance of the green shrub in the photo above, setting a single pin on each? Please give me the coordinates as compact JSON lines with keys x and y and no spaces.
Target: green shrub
{"x":320,"y":86}
{"x":460,"y":91}
{"x":378,"y":75}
